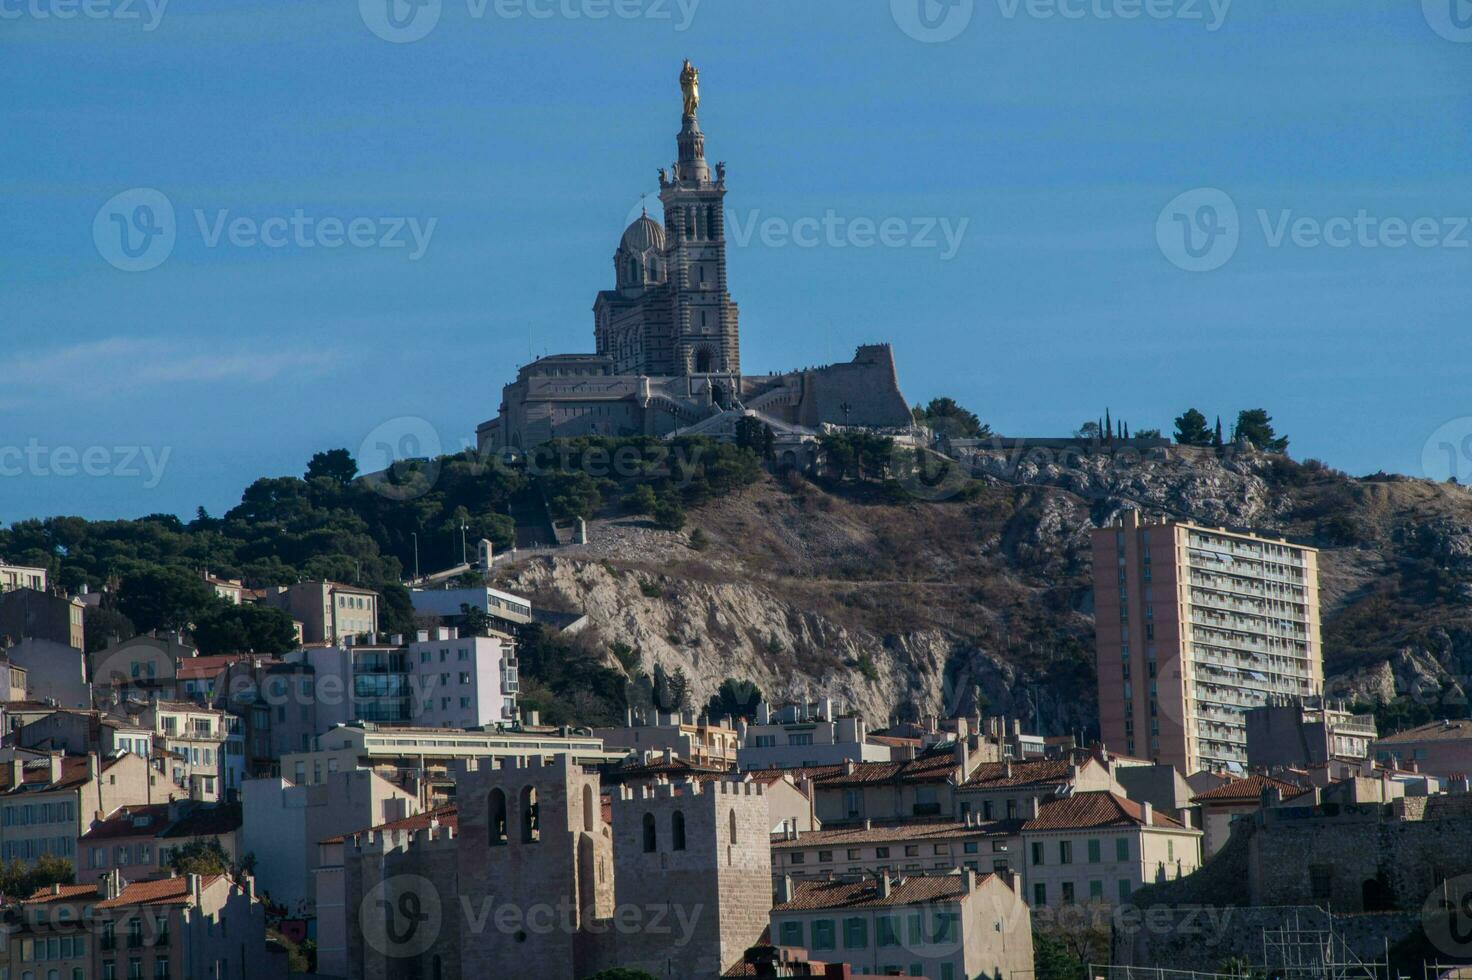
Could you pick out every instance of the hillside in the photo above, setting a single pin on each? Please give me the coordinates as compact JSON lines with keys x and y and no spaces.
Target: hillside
{"x":898,"y":608}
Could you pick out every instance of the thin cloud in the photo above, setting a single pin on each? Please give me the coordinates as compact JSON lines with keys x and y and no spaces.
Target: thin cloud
{"x":117,"y":364}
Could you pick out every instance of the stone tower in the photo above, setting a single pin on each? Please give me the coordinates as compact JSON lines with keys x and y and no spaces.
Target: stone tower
{"x":670,"y":313}
{"x":698,"y":856}
{"x":536,"y":861}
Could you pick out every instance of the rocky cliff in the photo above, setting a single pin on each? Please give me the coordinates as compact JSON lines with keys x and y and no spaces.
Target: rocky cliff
{"x":899,"y":605}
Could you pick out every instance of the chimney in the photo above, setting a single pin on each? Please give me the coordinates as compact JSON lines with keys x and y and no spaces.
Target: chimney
{"x":868,"y":823}
{"x":784,"y":889}
{"x":968,"y":881}
{"x":849,"y":767}
{"x":1030,"y":808}
{"x":93,"y":767}
{"x":53,"y":763}
{"x":1147,"y":813}
{"x":669,"y":756}
{"x":884,"y":886}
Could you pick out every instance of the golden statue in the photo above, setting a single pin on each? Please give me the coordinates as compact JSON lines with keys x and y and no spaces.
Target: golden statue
{"x":690,"y":85}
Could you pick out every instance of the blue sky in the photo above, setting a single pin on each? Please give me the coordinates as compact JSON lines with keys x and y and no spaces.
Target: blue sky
{"x":1050,"y":145}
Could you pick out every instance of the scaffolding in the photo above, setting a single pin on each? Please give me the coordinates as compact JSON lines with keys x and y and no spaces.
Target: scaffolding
{"x":1307,"y":951}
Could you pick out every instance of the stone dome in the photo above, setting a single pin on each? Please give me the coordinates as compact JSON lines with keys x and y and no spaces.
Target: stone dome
{"x":644,"y":234}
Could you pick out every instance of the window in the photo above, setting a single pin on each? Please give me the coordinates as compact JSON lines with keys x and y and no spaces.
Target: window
{"x":823,"y":934}
{"x":853,"y":853}
{"x":912,"y":850}
{"x":1096,"y":890}
{"x":791,"y":933}
{"x":947,"y":927}
{"x":1065,"y":852}
{"x":677,"y":831}
{"x":1122,"y":849}
{"x":825,"y":856}
{"x":1094,"y":857}
{"x":855,"y":934}
{"x":970,"y":847}
{"x":915,"y":925}
{"x":1124,"y":890}
{"x":881,"y":852}
{"x":887,"y":930}
{"x":1040,"y":894}
{"x":1037,"y":852}
{"x":651,"y":835}
{"x":732,"y":827}
{"x":496,"y":816}
{"x":1068,"y":891}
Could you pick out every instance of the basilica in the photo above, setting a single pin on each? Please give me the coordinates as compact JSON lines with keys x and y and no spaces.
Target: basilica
{"x":668,"y":342}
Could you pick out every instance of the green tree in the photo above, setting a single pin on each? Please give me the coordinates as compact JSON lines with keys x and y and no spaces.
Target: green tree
{"x":641,"y":500}
{"x":1256,"y":426}
{"x":19,"y":880}
{"x":1191,"y":429}
{"x":248,"y":628}
{"x":158,"y":597}
{"x":100,"y":625}
{"x":948,"y":418}
{"x":474,"y":621}
{"x":668,"y":513}
{"x":337,"y":465}
{"x":201,"y":856}
{"x":734,"y":699}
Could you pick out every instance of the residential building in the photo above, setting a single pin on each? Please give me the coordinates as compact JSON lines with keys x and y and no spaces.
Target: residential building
{"x":805,"y":735}
{"x":14,"y":680}
{"x":47,"y":802}
{"x":924,"y":787}
{"x":950,"y":926}
{"x":54,"y":671}
{"x":415,"y":756}
{"x":1232,"y":799}
{"x":1294,"y":732}
{"x":232,"y":590}
{"x":27,"y":613}
{"x":1441,"y":748}
{"x":189,"y":741}
{"x":908,"y":848}
{"x":1098,"y":847}
{"x":328,"y":611}
{"x":21,"y":577}
{"x":181,"y":928}
{"x":1157,"y":783}
{"x":1004,"y":790}
{"x":447,"y":603}
{"x":283,"y":825}
{"x":277,"y":704}
{"x":143,"y":666}
{"x":697,"y":740}
{"x":47,"y":935}
{"x":78,"y":732}
{"x":461,"y":681}
{"x":1195,"y":625}
{"x":139,"y":841}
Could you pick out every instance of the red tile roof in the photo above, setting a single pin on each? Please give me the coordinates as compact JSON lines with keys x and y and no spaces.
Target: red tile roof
{"x":61,"y":893}
{"x":995,"y":775}
{"x":36,"y":776}
{"x":934,"y":767}
{"x":1247,"y":790}
{"x":159,"y":891}
{"x":811,"y":896}
{"x":130,"y":821}
{"x":1083,"y":811}
{"x":1457,"y":729}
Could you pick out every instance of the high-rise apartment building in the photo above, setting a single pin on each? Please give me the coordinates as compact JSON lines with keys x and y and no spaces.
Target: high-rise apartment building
{"x":1194,"y":625}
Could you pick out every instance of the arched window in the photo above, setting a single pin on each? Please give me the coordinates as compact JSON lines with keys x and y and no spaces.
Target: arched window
{"x":703,"y":361}
{"x":677,"y":831}
{"x":531,"y":828}
{"x":651,"y":836}
{"x":588,"y":803}
{"x":732,"y":827}
{"x":496,"y":816}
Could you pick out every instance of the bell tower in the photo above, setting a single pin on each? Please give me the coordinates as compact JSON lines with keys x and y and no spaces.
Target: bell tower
{"x":705,"y":330}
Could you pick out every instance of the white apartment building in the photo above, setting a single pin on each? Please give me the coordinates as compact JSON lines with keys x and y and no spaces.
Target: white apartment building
{"x":1195,"y":625}
{"x":805,"y":735}
{"x":492,"y":602}
{"x":21,"y":577}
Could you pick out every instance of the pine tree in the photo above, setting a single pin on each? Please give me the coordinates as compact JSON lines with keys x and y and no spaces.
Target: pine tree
{"x":1218,"y":437}
{"x":1108,"y":425}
